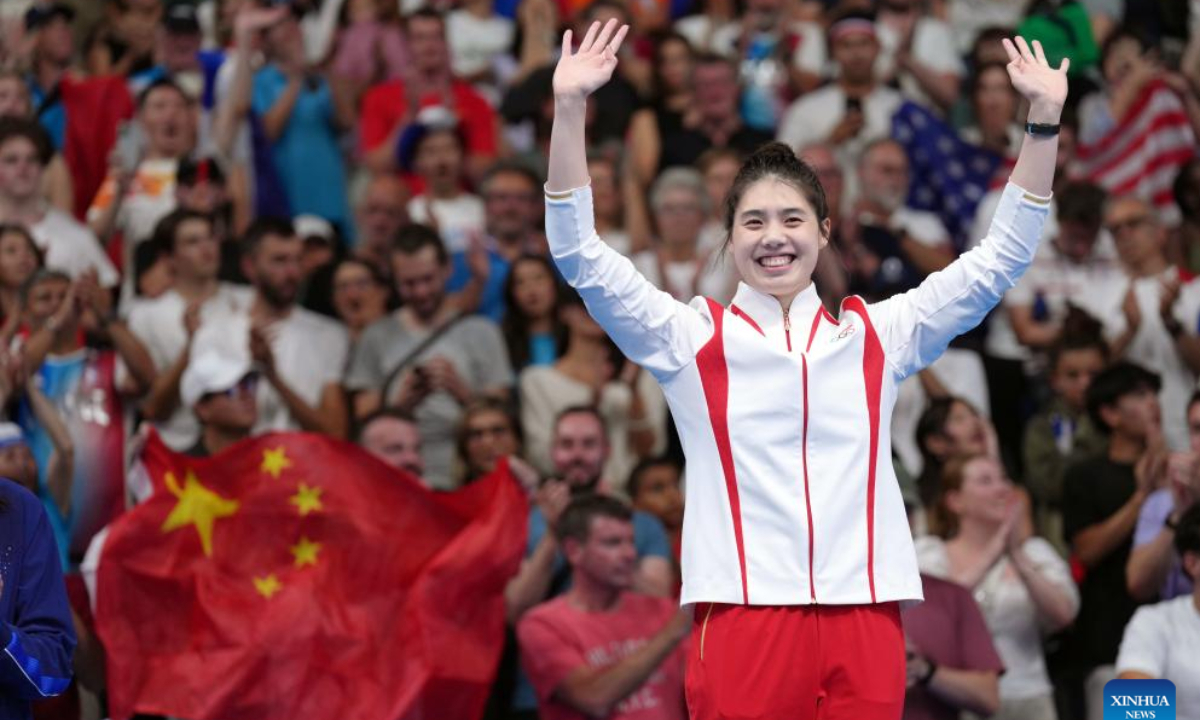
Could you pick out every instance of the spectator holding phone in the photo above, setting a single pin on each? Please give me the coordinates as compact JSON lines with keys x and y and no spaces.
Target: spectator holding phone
{"x":425,"y":359}
{"x":857,"y":108}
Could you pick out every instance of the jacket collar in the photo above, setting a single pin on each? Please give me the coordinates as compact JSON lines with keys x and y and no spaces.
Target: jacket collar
{"x":767,"y":314}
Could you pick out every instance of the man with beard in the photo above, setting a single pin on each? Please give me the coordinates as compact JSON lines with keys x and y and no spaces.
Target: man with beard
{"x":299,"y":353}
{"x":424,"y":358}
{"x":579,"y":451}
{"x":890,"y":248}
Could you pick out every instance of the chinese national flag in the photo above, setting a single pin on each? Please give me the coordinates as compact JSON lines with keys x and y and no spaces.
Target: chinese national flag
{"x":294,"y":577}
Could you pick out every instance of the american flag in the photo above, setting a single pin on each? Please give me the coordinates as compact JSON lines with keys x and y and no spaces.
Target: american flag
{"x":949,"y":176}
{"x":1142,"y":154}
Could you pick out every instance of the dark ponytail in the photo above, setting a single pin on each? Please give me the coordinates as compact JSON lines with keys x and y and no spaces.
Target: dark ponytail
{"x":778,"y":161}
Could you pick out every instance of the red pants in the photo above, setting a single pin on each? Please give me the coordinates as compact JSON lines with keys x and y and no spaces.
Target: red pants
{"x":807,"y":662}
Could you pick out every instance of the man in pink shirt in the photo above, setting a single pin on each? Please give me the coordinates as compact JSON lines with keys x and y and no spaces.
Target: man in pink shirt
{"x":599,"y":650}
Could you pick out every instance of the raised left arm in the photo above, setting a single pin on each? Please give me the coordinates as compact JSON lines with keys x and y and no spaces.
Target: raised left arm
{"x":915,"y":328}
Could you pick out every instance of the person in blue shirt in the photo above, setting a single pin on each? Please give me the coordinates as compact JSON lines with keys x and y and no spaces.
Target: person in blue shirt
{"x":180,"y":57}
{"x":53,"y":52}
{"x":512,"y":209}
{"x":37,"y":635}
{"x":300,"y":119}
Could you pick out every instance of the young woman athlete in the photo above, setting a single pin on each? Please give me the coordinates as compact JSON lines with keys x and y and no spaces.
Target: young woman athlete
{"x":796,"y":549}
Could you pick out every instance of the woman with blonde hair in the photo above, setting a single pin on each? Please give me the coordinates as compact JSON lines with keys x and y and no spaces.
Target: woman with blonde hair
{"x":1022,"y":585}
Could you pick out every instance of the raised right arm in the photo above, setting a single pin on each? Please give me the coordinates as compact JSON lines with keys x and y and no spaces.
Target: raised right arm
{"x":649,"y":326}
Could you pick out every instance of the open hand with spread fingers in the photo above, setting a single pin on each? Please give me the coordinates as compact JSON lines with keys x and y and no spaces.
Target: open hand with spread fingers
{"x":580,"y":72}
{"x":1043,"y":86}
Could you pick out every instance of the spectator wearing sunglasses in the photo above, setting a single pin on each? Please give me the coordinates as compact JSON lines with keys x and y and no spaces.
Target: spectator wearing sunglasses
{"x":219,"y":387}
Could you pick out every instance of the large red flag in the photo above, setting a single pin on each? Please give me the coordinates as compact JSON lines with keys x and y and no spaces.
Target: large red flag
{"x":295,"y":577}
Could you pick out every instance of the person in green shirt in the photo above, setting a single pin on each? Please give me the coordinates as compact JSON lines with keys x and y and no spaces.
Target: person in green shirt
{"x":1062,"y":432}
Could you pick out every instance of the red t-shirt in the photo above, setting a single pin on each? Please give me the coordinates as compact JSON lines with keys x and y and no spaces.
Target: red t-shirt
{"x":385,"y":104}
{"x":949,"y":629}
{"x":557,"y":638}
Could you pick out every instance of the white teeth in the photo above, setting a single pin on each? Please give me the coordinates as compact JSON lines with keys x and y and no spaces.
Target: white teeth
{"x":776,"y":260}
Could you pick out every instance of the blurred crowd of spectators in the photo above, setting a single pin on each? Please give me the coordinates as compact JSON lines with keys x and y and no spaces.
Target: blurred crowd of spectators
{"x":227,"y":217}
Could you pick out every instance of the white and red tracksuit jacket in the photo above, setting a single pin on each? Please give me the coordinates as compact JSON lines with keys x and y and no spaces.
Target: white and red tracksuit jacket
{"x":784,"y":414}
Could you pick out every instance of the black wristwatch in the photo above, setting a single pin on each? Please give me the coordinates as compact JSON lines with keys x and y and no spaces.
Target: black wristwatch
{"x":1042,"y":129}
{"x":931,"y":669}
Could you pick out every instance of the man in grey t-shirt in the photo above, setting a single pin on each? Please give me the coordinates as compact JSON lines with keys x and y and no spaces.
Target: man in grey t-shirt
{"x":466,"y":360}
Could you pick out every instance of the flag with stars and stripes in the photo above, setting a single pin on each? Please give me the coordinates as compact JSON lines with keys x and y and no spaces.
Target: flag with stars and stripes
{"x":948,"y":175}
{"x":296,"y":576}
{"x":1142,"y":154}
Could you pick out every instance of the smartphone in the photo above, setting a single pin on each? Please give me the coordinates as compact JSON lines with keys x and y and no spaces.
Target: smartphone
{"x":131,"y":144}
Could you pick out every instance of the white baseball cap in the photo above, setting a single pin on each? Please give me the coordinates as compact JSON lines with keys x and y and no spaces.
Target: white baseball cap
{"x":11,"y":434}
{"x":211,"y":371}
{"x":313,"y":226}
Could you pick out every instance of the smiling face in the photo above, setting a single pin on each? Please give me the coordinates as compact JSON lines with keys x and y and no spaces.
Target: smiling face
{"x":984,"y":494}
{"x":775,"y":238}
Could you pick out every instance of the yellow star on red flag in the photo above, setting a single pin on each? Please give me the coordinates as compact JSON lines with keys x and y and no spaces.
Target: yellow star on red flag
{"x":197,"y":506}
{"x":307,"y":499}
{"x":267,"y":586}
{"x":275,"y":461}
{"x":305,"y":552}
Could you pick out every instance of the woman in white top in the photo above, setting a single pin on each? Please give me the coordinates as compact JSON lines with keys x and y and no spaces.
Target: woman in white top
{"x":795,"y":527}
{"x":1022,"y":585}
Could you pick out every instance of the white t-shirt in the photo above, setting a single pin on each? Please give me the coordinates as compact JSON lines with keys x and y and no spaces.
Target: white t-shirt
{"x":310,"y":352}
{"x":150,"y":196}
{"x":474,"y":42}
{"x":72,"y":247}
{"x":545,"y":392}
{"x":1010,"y":612}
{"x":713,"y":276}
{"x":1163,"y":640}
{"x":1056,"y":279}
{"x":932,"y":46}
{"x":158,"y":323}
{"x":698,"y":30}
{"x":456,"y":219}
{"x":921,"y":225}
{"x":1154,"y":349}
{"x":305,"y":371}
{"x":813,"y":117}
